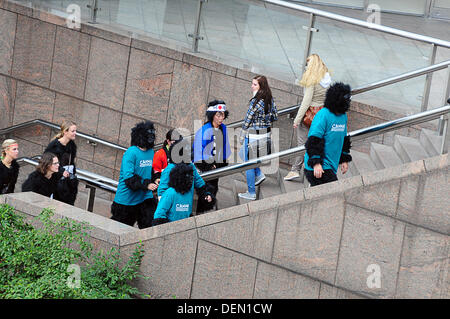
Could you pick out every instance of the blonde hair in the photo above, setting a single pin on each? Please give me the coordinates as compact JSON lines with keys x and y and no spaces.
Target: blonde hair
{"x":64,"y":128}
{"x":7,"y":143}
{"x":315,"y":72}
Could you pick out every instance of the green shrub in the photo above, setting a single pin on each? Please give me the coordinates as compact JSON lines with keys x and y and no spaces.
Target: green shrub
{"x":34,"y":262}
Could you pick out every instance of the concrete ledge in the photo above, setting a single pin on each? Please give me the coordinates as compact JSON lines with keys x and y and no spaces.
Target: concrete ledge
{"x":221,"y":215}
{"x":157,"y":231}
{"x":104,"y":229}
{"x":330,"y":189}
{"x":397,"y":172}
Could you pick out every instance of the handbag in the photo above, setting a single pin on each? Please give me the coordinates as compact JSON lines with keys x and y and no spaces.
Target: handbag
{"x":309,"y":115}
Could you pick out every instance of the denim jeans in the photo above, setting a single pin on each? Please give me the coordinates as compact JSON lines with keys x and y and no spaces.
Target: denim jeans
{"x":251,"y":173}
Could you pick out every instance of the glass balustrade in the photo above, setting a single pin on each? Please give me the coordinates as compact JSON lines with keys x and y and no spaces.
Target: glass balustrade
{"x":271,"y":40}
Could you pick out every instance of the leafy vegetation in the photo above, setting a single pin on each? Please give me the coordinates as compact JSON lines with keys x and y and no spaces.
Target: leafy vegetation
{"x":46,"y":262}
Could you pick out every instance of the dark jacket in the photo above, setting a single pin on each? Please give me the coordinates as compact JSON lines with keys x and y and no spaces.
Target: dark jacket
{"x":8,"y":177}
{"x":38,"y":183}
{"x":66,"y":156}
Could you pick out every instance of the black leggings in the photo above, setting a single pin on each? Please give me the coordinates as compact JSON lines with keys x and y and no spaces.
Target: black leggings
{"x":141,"y":213}
{"x":327,"y":177}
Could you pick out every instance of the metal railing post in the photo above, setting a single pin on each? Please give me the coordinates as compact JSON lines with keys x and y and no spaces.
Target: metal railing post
{"x":428,"y":78}
{"x":94,"y":8}
{"x":445,"y":102}
{"x":196,"y":35}
{"x":310,"y":29}
{"x":91,"y":198}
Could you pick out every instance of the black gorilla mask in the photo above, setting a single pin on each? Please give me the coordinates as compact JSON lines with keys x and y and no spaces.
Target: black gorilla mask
{"x":151,"y":136}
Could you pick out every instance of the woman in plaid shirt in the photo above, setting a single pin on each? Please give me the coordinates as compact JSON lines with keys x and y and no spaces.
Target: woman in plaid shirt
{"x":256,"y":131}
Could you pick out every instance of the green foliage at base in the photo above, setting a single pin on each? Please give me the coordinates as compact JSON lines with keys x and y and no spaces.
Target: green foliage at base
{"x":56,"y":261}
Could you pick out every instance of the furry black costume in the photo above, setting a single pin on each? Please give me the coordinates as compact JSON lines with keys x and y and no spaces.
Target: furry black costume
{"x":181,"y":178}
{"x":337,"y":101}
{"x":134,"y":202}
{"x":8,"y":177}
{"x":66,"y":155}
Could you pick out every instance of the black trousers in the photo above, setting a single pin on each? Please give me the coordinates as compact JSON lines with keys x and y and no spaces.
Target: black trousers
{"x":130,"y":214}
{"x":327,"y":177}
{"x":203,"y":205}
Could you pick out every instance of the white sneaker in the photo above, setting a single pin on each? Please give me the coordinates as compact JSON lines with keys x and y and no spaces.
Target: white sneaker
{"x":260,"y":179}
{"x":291,"y":175}
{"x":247,"y":195}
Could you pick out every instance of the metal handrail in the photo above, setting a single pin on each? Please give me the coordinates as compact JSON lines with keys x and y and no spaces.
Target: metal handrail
{"x":290,"y":109}
{"x":87,"y":177}
{"x":57,"y":127}
{"x":355,"y":136}
{"x":360,"y":23}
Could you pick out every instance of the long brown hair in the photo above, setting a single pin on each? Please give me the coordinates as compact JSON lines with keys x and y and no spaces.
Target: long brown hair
{"x":45,"y":162}
{"x":264,"y":93}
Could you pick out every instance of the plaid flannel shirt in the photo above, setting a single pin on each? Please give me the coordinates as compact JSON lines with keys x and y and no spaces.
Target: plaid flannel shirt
{"x":256,"y":118}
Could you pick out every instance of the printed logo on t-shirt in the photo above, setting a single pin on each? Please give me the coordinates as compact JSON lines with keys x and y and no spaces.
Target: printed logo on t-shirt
{"x":338,"y":128}
{"x":145,"y":163}
{"x":182,"y":207}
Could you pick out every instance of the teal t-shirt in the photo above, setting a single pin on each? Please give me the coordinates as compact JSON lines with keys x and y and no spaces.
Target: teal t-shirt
{"x":332,"y":128}
{"x":164,"y":180}
{"x":174,"y":206}
{"x":134,"y":161}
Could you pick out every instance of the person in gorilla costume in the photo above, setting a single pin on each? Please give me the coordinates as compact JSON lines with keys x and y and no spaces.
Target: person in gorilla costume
{"x":328,"y":146}
{"x":134,"y":201}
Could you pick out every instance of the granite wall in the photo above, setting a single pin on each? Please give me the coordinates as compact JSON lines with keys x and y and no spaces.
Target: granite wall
{"x":108,"y":79}
{"x":329,"y":241}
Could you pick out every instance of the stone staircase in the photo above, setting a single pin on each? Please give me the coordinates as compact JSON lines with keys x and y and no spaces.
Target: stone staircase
{"x":404,"y":150}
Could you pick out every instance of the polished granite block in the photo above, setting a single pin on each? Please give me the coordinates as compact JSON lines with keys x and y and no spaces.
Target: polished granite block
{"x":32,"y":100}
{"x":307,"y":237}
{"x":7,"y":94}
{"x":70,"y":62}
{"x":275,"y":282}
{"x":7,"y":34}
{"x":424,"y":264}
{"x":105,"y":84}
{"x":234,"y":91}
{"x":148,"y":86}
{"x":369,"y":241}
{"x":84,"y":114}
{"x":109,"y":124}
{"x":190,"y":86}
{"x":33,"y":50}
{"x":231,"y":273}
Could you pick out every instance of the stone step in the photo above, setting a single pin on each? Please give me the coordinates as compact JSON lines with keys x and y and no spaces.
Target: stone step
{"x":361,"y":163}
{"x":409,"y":149}
{"x":384,"y":156}
{"x":270,"y":187}
{"x":241,"y":187}
{"x":430,"y":141}
{"x":225,"y":198}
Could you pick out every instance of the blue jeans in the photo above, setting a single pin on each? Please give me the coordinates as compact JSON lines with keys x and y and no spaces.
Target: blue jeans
{"x":251,"y":173}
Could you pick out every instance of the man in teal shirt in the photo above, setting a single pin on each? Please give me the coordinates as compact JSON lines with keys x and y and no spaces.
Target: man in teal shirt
{"x":134,"y":200}
{"x":328,"y":145}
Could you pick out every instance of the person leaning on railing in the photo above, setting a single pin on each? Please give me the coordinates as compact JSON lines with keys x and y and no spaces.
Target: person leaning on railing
{"x":47,"y":179}
{"x":328,"y":145}
{"x":316,"y":80}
